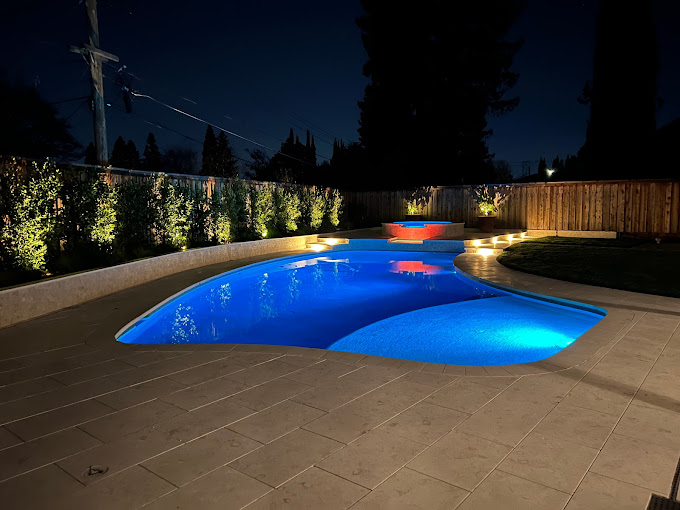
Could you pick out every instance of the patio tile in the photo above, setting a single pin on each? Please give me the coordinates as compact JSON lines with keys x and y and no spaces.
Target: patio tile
{"x":140,"y":359}
{"x":409,"y":490}
{"x":262,"y":373}
{"x":464,"y":396}
{"x":350,"y":421}
{"x":268,"y":394}
{"x":321,"y":373}
{"x":203,"y":420}
{"x":8,"y":439}
{"x":343,"y":357}
{"x":33,"y":454}
{"x":58,"y":419}
{"x":430,"y":379}
{"x":312,"y":490}
{"x":207,"y":372}
{"x":28,"y":388}
{"x":205,"y":393}
{"x":372,"y":458}
{"x":438,"y":368}
{"x":550,"y":461}
{"x":578,"y":425}
{"x":132,"y":419}
{"x":460,"y":459}
{"x":597,"y":491}
{"x":37,"y":489}
{"x":638,"y":462}
{"x":516,"y":493}
{"x":167,"y":367}
{"x":424,"y":423}
{"x":300,"y":361}
{"x":15,"y":410}
{"x":222,"y":489}
{"x":600,"y":394}
{"x":499,"y":382}
{"x":139,"y":393}
{"x":250,"y":359}
{"x":118,"y":455}
{"x":656,"y":392}
{"x":196,"y":458}
{"x":653,"y":425}
{"x":286,"y":457}
{"x":131,"y":488}
{"x":345,"y":389}
{"x":89,"y":372}
{"x":276,"y":421}
{"x":35,"y":371}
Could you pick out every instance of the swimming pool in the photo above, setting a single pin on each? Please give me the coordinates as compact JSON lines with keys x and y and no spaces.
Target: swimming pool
{"x":410,"y":305}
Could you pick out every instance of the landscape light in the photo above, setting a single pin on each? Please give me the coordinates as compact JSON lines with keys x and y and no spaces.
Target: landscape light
{"x":549,"y":172}
{"x":476,"y":242}
{"x":485,"y":251}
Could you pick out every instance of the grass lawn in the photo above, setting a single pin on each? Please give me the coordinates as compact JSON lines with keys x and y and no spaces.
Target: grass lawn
{"x":628,"y":264}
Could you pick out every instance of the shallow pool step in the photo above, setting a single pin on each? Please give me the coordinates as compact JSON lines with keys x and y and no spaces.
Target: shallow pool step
{"x":319,"y":246}
{"x":332,"y":241}
{"x":405,"y":241}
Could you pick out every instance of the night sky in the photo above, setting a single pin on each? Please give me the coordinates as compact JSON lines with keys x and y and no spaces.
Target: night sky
{"x":258,"y":68}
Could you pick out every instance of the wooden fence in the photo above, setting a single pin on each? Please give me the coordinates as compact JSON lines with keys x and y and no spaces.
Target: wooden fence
{"x":642,"y":206}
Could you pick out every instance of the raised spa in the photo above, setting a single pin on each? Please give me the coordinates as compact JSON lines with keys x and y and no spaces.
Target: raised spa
{"x":410,"y":305}
{"x":423,"y":229}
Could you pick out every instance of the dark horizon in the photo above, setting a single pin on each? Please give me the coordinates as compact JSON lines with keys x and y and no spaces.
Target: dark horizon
{"x":262,"y":68}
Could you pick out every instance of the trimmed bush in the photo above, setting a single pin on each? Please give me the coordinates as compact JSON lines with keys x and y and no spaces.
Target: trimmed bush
{"x":262,"y":210}
{"x":29,"y":208}
{"x":288,"y":210}
{"x":334,"y":207}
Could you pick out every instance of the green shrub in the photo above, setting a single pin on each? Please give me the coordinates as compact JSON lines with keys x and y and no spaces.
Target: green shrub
{"x":288,"y":210}
{"x":29,"y":209}
{"x":173,"y":205}
{"x":262,"y":210}
{"x":334,"y":207}
{"x":314,"y":207}
{"x":219,"y":221}
{"x":103,"y":227}
{"x":136,"y":214}
{"x":236,"y":196}
{"x":199,"y":231}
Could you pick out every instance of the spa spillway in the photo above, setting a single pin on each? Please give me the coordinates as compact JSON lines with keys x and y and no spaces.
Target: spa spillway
{"x":423,"y":229}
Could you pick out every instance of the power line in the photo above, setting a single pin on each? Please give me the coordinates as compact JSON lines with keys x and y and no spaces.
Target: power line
{"x":314,"y":125}
{"x":124,"y":68}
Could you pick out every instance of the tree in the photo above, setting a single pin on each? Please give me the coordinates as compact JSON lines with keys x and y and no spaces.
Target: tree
{"x":542,"y":166}
{"x":294,"y":162}
{"x":224,"y":159}
{"x":436,"y":70}
{"x":622,"y":97}
{"x":131,"y":156}
{"x":91,"y":154}
{"x":502,"y":172}
{"x":153,"y":161}
{"x":180,"y":160}
{"x":259,"y":168}
{"x":209,"y":152}
{"x":119,"y":154}
{"x":30,"y":127}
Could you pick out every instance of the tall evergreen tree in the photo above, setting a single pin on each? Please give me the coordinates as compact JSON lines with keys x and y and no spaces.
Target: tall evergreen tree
{"x":623,"y":93}
{"x":225,"y":160}
{"x":209,"y":152}
{"x":259,"y":167}
{"x":131,"y":155}
{"x":90,"y":154}
{"x":119,"y":153}
{"x":153,"y":161}
{"x":542,"y":166}
{"x":436,"y":70}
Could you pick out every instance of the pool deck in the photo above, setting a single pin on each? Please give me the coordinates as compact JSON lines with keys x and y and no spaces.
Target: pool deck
{"x":91,"y":423}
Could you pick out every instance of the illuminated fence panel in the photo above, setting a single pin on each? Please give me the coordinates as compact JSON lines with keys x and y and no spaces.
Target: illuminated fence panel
{"x":640,"y":206}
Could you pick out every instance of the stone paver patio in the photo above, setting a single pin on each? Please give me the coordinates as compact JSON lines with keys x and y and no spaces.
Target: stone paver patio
{"x":91,"y":423}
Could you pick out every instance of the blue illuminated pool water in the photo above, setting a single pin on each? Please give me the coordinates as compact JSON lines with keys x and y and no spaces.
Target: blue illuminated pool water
{"x":420,"y":224}
{"x":411,"y":305}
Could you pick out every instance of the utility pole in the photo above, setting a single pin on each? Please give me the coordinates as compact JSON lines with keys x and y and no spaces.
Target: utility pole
{"x":95,"y":57}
